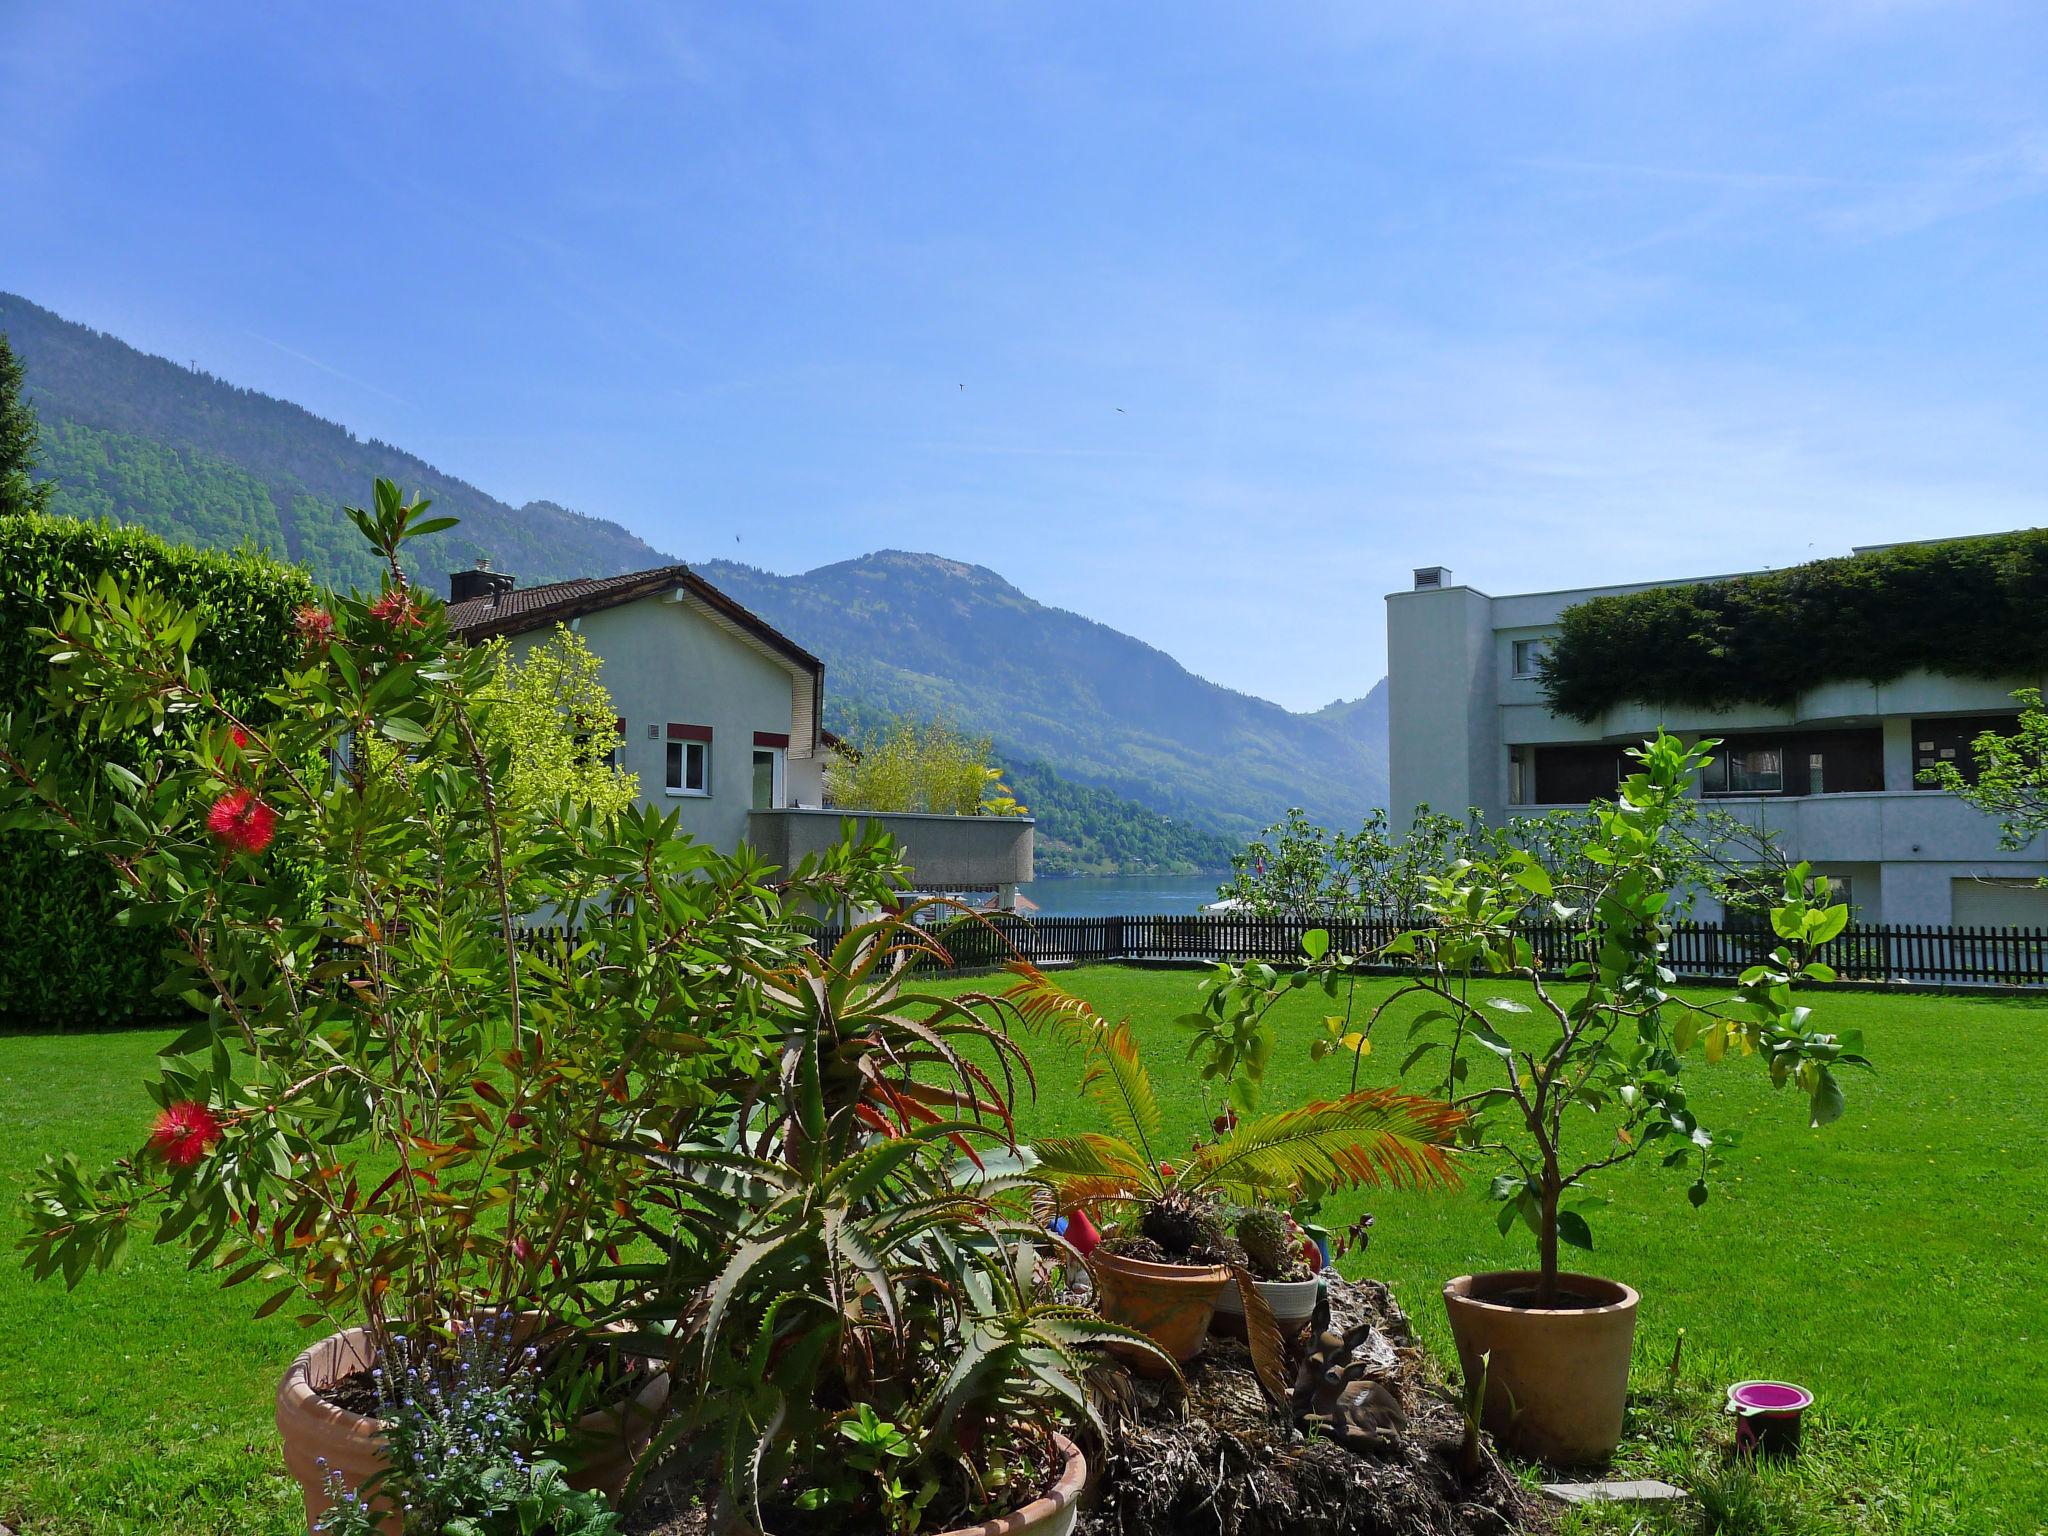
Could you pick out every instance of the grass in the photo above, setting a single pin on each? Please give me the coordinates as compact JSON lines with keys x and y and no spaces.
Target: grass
{"x":1892,"y":1263}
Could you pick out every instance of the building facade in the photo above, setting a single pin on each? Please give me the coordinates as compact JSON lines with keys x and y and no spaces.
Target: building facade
{"x":720,"y":717}
{"x":1834,"y":775}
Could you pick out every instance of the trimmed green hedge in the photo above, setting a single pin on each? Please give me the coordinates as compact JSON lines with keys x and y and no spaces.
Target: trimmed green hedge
{"x":63,"y":959}
{"x":1965,"y":607}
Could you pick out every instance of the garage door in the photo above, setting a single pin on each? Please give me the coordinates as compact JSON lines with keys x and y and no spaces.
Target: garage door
{"x":2000,"y":904}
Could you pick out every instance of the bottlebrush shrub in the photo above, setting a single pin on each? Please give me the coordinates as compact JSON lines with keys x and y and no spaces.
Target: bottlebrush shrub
{"x":1969,"y":607}
{"x":392,"y":1105}
{"x":63,"y":957}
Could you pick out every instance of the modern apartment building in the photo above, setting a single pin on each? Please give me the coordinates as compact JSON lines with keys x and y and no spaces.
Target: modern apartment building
{"x":1833,"y":774}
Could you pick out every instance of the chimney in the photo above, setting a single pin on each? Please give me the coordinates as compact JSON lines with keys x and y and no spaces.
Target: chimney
{"x":466,"y":586}
{"x":1430,"y":577}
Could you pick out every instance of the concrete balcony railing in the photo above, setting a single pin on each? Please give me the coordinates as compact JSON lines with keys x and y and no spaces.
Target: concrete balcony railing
{"x":945,"y":853}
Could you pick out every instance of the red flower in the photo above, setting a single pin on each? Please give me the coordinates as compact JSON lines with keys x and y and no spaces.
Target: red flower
{"x":184,"y":1133}
{"x":242,"y":821}
{"x":395,"y":608}
{"x":238,"y":736}
{"x":315,"y":625}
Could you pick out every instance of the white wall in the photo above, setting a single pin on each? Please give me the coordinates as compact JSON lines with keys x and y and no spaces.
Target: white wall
{"x":664,"y":663}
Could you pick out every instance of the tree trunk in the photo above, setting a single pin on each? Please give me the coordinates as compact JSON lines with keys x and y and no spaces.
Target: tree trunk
{"x":1546,"y":1239}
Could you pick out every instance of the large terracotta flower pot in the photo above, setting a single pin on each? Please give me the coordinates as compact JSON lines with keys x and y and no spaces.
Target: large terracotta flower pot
{"x":1557,"y":1377}
{"x":602,"y":1451}
{"x":1171,"y":1302}
{"x":1293,"y":1303}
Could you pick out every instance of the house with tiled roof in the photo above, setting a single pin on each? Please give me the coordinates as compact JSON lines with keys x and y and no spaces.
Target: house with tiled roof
{"x":721,"y":717}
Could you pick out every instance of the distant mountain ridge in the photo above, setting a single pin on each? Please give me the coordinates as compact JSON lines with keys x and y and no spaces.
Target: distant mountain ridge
{"x":140,"y":439}
{"x":928,"y":635}
{"x":1135,"y":763}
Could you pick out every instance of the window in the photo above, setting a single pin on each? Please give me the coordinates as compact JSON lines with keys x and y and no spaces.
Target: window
{"x":1529,"y":656}
{"x":689,"y":760}
{"x":1576,"y":775}
{"x":767,"y":778}
{"x":1948,"y":741}
{"x":1747,"y":770}
{"x":1805,"y":763}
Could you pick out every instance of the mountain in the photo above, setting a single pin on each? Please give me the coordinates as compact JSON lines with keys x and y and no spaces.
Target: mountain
{"x":1131,"y":762}
{"x":141,"y":440}
{"x":1362,"y":719}
{"x":921,"y":634}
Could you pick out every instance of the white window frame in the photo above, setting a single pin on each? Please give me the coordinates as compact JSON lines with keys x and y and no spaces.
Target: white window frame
{"x":1524,"y":656}
{"x":778,"y":794}
{"x":676,"y":785}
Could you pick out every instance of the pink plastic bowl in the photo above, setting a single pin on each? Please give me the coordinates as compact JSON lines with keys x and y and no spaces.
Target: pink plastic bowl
{"x":1768,"y":1397}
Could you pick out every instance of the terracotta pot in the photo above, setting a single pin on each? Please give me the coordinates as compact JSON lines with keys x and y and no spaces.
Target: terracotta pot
{"x":1557,"y":1377}
{"x":1171,"y":1302}
{"x":601,"y":1452}
{"x":1052,"y":1513}
{"x":1293,"y":1303}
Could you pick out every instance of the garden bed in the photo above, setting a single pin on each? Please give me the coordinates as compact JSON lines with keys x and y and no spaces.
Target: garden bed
{"x":1222,"y":1461}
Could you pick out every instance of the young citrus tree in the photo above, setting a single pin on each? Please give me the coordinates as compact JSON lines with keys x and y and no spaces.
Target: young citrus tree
{"x":1606,"y":1046}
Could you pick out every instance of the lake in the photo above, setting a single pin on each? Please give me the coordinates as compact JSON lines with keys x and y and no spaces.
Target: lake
{"x":1122,"y":895}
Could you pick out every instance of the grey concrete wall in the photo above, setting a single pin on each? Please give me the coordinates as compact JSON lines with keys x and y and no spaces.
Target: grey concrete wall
{"x":1442,"y":704}
{"x":944,"y":852}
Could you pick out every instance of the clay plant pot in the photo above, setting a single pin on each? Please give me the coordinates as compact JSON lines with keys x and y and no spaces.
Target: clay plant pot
{"x":1293,"y":1303}
{"x":601,"y":1452}
{"x":1172,"y":1303}
{"x":1052,"y":1513}
{"x":1557,"y":1377}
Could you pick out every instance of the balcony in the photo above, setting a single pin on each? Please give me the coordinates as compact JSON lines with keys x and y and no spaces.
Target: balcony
{"x":945,"y":853}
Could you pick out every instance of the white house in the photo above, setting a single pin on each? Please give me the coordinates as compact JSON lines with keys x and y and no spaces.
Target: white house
{"x":721,"y":718}
{"x":1834,"y":774}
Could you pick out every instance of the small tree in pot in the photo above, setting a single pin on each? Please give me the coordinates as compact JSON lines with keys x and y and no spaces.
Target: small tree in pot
{"x":1608,"y":1045}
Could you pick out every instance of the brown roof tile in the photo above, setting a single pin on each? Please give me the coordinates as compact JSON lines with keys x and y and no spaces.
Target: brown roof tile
{"x":528,"y":608}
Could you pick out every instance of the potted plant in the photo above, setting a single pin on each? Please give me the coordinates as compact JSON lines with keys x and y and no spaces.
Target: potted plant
{"x":850,"y":1274}
{"x":1604,"y":1048}
{"x":1167,"y":1250}
{"x":1277,"y":1254}
{"x":396,"y":1110}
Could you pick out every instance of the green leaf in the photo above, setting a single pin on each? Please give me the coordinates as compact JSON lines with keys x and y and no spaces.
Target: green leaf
{"x":1315,"y":943}
{"x":1828,"y":1101}
{"x":1572,"y":1229}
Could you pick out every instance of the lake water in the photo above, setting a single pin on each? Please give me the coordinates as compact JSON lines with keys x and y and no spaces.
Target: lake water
{"x":1122,"y":895}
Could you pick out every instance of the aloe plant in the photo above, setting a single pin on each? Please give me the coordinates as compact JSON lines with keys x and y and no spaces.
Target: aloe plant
{"x":858,"y":1235}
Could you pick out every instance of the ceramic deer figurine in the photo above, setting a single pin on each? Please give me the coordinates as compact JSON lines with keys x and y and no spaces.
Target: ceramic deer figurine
{"x":1333,"y":1394}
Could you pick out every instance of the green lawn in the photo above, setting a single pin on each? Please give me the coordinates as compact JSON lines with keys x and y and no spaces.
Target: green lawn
{"x":1888,"y":1262}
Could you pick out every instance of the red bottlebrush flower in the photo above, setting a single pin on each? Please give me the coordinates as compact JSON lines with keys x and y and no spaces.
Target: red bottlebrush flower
{"x":522,"y":1250}
{"x":184,"y":1133}
{"x":395,"y":608}
{"x":242,"y":821}
{"x":315,"y":625}
{"x":238,"y":736}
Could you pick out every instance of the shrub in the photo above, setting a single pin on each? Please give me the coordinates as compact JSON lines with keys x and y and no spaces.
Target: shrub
{"x":66,"y":955}
{"x":1968,"y":607}
{"x":908,"y":766}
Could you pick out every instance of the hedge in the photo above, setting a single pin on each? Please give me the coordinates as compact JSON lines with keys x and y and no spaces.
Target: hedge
{"x":1966,"y":607}
{"x":63,"y":959}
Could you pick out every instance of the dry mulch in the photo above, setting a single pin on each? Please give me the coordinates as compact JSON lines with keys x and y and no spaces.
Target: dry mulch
{"x":1225,"y":1462}
{"x":1222,"y":1461}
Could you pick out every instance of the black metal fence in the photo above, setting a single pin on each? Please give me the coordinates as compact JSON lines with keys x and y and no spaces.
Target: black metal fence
{"x":1863,"y":952}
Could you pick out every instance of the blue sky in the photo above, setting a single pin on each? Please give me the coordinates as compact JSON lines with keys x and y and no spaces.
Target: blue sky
{"x":1254,"y":306}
